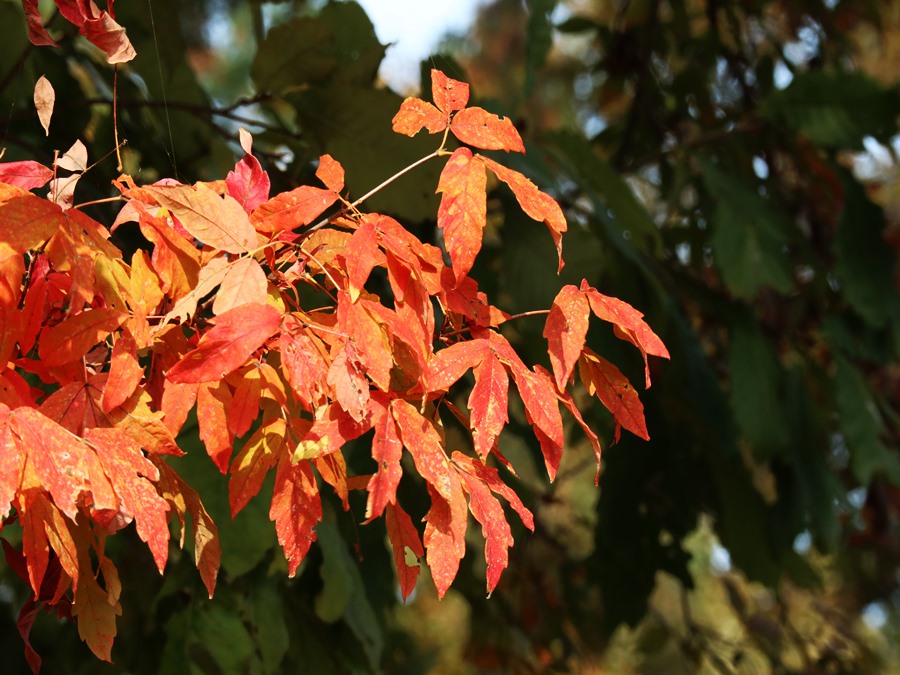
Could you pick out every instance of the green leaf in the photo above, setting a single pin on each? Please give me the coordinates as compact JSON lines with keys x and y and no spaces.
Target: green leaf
{"x":354,"y":123}
{"x":756,"y":395}
{"x":225,"y":638}
{"x":836,"y":109}
{"x":272,"y":638}
{"x":749,"y":237}
{"x":293,"y":54}
{"x":539,"y":38}
{"x":865,"y":264}
{"x":862,"y":427}
{"x":344,"y":592}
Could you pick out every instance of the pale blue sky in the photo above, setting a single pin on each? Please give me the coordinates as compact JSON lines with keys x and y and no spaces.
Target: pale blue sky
{"x":415,"y":27}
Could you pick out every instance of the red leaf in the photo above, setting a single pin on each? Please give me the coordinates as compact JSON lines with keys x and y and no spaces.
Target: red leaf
{"x":37,"y":34}
{"x":346,"y":378}
{"x":462,"y":214}
{"x":302,"y":363}
{"x":124,"y":374}
{"x":290,"y":210}
{"x":424,"y":444}
{"x":368,"y":339}
{"x":488,"y":403}
{"x":24,"y":622}
{"x":131,"y":475}
{"x":404,"y":538}
{"x":26,"y":174}
{"x":451,"y":363}
{"x":213,"y":404}
{"x":296,"y":508}
{"x":361,"y":255}
{"x":387,"y":450}
{"x":331,"y":173}
{"x":602,"y":378}
{"x":26,"y":220}
{"x":448,"y":95}
{"x":491,"y":477}
{"x":259,"y":454}
{"x":103,"y":31}
{"x":565,"y":330}
{"x":445,"y":533}
{"x":12,"y":464}
{"x":220,"y":222}
{"x":630,"y":324}
{"x":332,"y":428}
{"x":226,"y":346}
{"x":333,"y":470}
{"x":481,"y":129}
{"x":248,"y":184}
{"x":536,"y":204}
{"x":497,"y":535}
{"x":415,"y":115}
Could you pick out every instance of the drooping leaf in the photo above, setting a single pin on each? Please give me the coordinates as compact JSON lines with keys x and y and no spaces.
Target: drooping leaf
{"x":463,"y":211}
{"x":44,"y":98}
{"x":228,"y":344}
{"x":387,"y":450}
{"x":404,"y":542}
{"x":603,"y":379}
{"x":488,"y":403}
{"x":565,"y":330}
{"x":125,"y":373}
{"x":538,"y":205}
{"x":251,"y":465}
{"x":445,"y":532}
{"x":296,"y":508}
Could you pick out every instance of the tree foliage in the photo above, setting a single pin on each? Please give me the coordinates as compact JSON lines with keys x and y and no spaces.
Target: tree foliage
{"x":212,"y":331}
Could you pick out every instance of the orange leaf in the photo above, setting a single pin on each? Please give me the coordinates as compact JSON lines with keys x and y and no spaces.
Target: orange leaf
{"x":536,"y":204}
{"x":629,"y":323}
{"x":445,"y":533}
{"x":403,"y":536}
{"x":565,"y":330}
{"x":249,"y":468}
{"x":293,"y":209}
{"x":333,"y":470}
{"x":244,"y":407}
{"x":244,"y":282}
{"x":497,"y":534}
{"x":12,"y":464}
{"x":481,"y":129}
{"x":488,"y":403}
{"x":449,"y":95}
{"x":213,"y":403}
{"x":26,"y":220}
{"x":368,"y":339}
{"x":415,"y":115}
{"x":387,"y":450}
{"x":347,"y":381}
{"x":602,"y":378}
{"x":226,"y":346}
{"x":124,"y":373}
{"x":131,"y":474}
{"x":361,"y":255}
{"x":331,"y":173}
{"x":451,"y":363}
{"x":296,"y":509}
{"x":302,"y":363}
{"x":220,"y":222}
{"x":96,"y":616}
{"x":424,"y":444}
{"x":462,"y":214}
{"x":184,"y":499}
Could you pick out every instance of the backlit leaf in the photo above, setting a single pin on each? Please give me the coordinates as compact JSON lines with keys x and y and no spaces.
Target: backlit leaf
{"x":404,"y":538}
{"x":226,"y":346}
{"x":565,"y":331}
{"x":26,"y":174}
{"x":481,"y":129}
{"x":603,"y":379}
{"x":290,"y":210}
{"x":295,"y":509}
{"x":449,"y":95}
{"x":415,"y":115}
{"x":463,"y":211}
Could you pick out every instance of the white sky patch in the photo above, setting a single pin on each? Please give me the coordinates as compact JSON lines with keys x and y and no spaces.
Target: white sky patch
{"x":415,"y":27}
